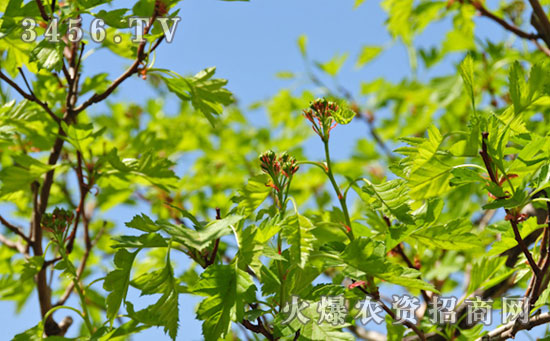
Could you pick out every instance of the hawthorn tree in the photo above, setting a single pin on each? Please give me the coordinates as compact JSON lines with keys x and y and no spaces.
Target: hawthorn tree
{"x":447,"y":195}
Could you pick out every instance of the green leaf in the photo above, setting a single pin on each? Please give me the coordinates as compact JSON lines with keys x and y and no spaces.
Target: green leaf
{"x":114,"y":18}
{"x":333,"y":66}
{"x":368,"y":53}
{"x":324,"y":331}
{"x":429,"y":171}
{"x":312,"y":330}
{"x":467,"y":72}
{"x":302,"y":44}
{"x":32,"y":266}
{"x":391,"y":196}
{"x":406,"y":277}
{"x":284,"y":75}
{"x":165,"y":312}
{"x":464,"y":175}
{"x":201,"y":239}
{"x":148,"y":166}
{"x":508,"y":240}
{"x":518,"y":87}
{"x":32,"y":334}
{"x":396,"y":331}
{"x":228,"y":289}
{"x":483,"y":270}
{"x":48,"y":55}
{"x":297,"y":231}
{"x":518,"y":200}
{"x":399,"y":18}
{"x":358,"y":3}
{"x":253,"y":194}
{"x":344,"y":115}
{"x":454,"y":235}
{"x":147,"y":240}
{"x":205,"y":93}
{"x":250,"y":250}
{"x":20,"y":176}
{"x":117,"y":281}
{"x":143,"y":223}
{"x":128,"y":328}
{"x":368,"y":256}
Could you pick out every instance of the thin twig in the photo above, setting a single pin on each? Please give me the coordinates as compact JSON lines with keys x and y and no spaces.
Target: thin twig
{"x":81,"y":267}
{"x":216,"y":243}
{"x":506,"y":331}
{"x":541,"y":47}
{"x":52,"y":261}
{"x":42,"y":10}
{"x":13,"y":245}
{"x":98,"y":97}
{"x":17,"y":230}
{"x":258,"y":329}
{"x":539,"y":12}
{"x":506,"y":25}
{"x":376,"y":297}
{"x":524,"y":248}
{"x":401,"y":252}
{"x":26,"y":82}
{"x":513,"y":221}
{"x":539,"y":284}
{"x":29,"y":97}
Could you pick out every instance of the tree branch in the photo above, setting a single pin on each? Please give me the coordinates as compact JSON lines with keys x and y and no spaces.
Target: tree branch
{"x":13,"y":245}
{"x":84,"y":190}
{"x":538,"y":11}
{"x":216,"y":243}
{"x":544,"y":49}
{"x":401,"y":252}
{"x":509,"y":330}
{"x":29,"y":97}
{"x":523,"y":247}
{"x":376,"y":297}
{"x":507,"y":26}
{"x":18,"y":231}
{"x":258,"y":329}
{"x":489,"y":166}
{"x":42,"y":10}
{"x":98,"y":97}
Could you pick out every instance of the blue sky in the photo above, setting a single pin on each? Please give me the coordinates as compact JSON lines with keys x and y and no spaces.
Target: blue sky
{"x":249,"y":42}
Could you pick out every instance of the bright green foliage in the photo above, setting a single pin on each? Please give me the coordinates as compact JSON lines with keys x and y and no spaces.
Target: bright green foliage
{"x":297,"y":230}
{"x":228,"y":289}
{"x":118,"y":281}
{"x":447,"y":194}
{"x":206,"y":94}
{"x":165,"y":311}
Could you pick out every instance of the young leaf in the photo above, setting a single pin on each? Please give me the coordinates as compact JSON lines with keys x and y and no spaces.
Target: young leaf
{"x":117,"y":281}
{"x":201,"y":239}
{"x":368,"y":53}
{"x":467,"y":73}
{"x":48,"y":56}
{"x":297,"y":231}
{"x":165,"y":312}
{"x":344,"y":115}
{"x":391,"y":196}
{"x":228,"y":289}
{"x":302,"y":44}
{"x":207,"y":94}
{"x":333,"y":66}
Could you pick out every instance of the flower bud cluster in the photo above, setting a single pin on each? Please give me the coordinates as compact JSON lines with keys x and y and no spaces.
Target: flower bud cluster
{"x":320,"y":114}
{"x":280,"y":168}
{"x":57,"y":221}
